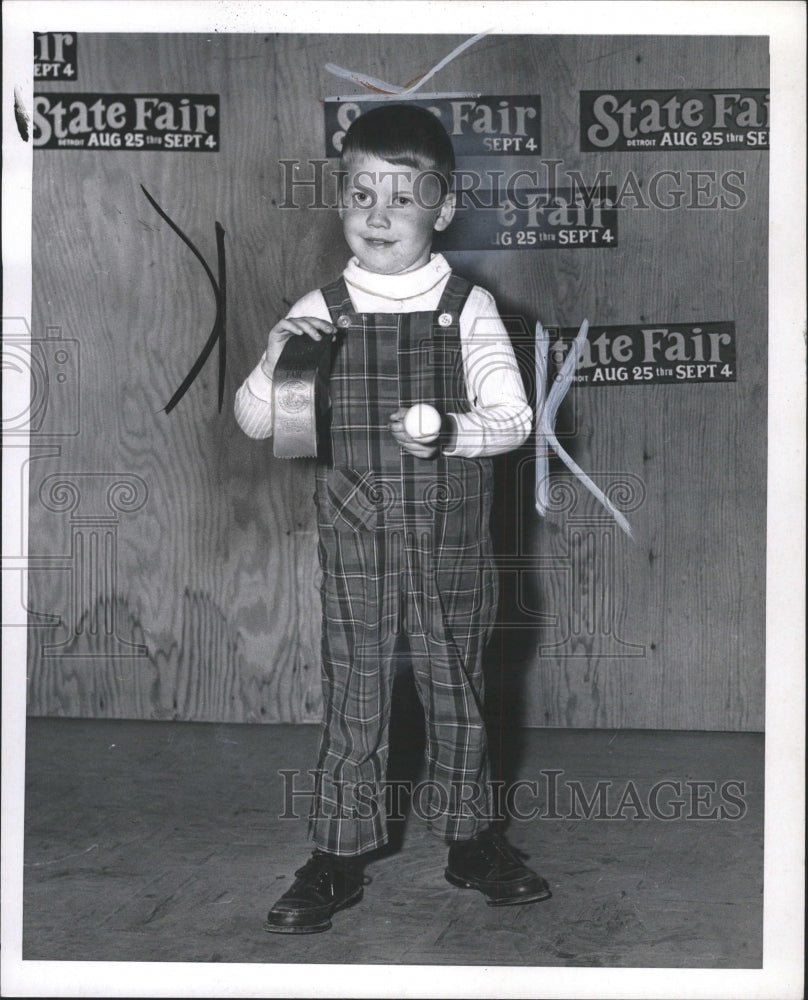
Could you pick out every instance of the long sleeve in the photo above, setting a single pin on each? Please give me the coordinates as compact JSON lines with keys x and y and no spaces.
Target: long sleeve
{"x":253,"y":404}
{"x":500,"y":418}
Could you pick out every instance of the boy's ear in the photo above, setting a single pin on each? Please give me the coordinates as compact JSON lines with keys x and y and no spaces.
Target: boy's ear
{"x":445,"y":213}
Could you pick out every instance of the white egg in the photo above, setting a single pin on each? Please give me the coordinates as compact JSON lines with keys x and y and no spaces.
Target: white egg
{"x":422,"y":422}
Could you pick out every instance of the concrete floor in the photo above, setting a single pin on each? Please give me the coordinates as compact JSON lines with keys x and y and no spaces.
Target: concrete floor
{"x":155,"y":841}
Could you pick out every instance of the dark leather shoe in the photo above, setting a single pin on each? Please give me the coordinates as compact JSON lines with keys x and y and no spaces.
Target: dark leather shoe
{"x":322,"y":886}
{"x":491,"y":865}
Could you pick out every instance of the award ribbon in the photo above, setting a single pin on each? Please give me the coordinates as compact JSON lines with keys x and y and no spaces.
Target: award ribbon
{"x":300,"y":394}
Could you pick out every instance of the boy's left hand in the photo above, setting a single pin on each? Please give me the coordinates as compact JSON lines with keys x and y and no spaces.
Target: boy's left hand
{"x":418,"y":448}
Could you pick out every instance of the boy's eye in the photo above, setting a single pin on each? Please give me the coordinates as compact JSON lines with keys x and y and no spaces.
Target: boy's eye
{"x":361,"y":198}
{"x":402,"y":200}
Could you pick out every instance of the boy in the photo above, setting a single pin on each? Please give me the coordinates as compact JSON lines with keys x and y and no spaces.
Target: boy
{"x":404,"y":539}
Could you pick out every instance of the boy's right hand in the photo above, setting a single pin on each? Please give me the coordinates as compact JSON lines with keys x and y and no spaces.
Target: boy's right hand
{"x":298,"y":326}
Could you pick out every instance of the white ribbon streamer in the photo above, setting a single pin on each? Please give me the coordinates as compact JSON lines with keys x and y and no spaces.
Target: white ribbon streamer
{"x":546,"y":410}
{"x":439,"y":66}
{"x":363,"y":79}
{"x":372,"y":82}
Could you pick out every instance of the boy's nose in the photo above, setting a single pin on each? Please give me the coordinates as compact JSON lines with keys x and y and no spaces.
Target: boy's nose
{"x":377,"y":217}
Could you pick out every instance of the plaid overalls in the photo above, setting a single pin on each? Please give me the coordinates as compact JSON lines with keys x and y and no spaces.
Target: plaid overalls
{"x":404,"y":547}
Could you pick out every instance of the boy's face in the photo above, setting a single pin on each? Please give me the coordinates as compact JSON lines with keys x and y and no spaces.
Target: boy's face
{"x":389,"y":213}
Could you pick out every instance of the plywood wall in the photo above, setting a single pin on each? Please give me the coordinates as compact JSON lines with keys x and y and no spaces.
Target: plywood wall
{"x":177,"y":558}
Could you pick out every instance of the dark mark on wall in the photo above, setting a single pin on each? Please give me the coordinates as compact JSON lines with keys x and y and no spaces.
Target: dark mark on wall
{"x":21,"y":116}
{"x":218,"y":333}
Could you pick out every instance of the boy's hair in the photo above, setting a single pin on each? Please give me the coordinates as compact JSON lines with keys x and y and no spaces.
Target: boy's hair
{"x":403,"y":134}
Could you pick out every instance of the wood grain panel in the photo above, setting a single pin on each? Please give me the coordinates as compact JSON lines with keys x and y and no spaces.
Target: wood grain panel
{"x":216,"y":572}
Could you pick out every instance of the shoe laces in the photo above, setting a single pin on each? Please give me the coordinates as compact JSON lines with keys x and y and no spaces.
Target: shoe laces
{"x":496,"y":847}
{"x":320,"y":864}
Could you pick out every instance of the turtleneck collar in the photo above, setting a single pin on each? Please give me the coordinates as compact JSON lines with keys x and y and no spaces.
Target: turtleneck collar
{"x":397,"y":286}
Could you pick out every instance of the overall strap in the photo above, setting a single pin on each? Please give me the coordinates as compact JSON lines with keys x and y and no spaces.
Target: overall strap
{"x":446,"y":371}
{"x":454,"y":297}
{"x":337,"y":298}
